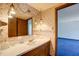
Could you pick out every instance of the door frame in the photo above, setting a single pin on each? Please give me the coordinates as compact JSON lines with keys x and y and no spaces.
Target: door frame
{"x":56,"y":21}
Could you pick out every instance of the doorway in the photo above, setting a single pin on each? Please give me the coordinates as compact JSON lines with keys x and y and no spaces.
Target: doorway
{"x":67,"y":21}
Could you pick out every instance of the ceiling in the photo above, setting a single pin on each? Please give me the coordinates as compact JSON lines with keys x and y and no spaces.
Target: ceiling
{"x":43,"y":6}
{"x":21,"y":9}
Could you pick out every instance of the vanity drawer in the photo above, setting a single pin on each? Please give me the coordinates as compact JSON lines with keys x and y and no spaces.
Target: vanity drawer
{"x":39,"y":51}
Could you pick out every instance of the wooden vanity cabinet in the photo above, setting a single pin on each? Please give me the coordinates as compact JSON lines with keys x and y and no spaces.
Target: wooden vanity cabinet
{"x":43,"y":50}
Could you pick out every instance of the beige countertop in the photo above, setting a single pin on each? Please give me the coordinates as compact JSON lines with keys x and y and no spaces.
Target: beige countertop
{"x":27,"y":46}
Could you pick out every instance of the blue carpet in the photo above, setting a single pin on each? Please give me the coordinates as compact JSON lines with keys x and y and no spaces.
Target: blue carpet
{"x":67,"y":47}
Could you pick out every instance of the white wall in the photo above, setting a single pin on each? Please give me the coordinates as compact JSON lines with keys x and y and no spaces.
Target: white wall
{"x":68,"y":22}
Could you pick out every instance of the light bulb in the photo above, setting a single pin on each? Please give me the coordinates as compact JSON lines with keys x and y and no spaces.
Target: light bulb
{"x":10,"y":16}
{"x":12,"y":12}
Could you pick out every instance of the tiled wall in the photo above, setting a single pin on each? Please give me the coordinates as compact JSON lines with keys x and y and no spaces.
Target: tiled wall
{"x":4,"y":18}
{"x":45,"y":26}
{"x":48,"y":30}
{"x":4,"y":33}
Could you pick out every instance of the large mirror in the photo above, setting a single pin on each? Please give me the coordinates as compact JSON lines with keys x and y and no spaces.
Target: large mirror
{"x":18,"y":26}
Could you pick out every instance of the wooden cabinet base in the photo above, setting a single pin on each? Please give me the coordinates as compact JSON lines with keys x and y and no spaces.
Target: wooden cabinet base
{"x":43,"y":50}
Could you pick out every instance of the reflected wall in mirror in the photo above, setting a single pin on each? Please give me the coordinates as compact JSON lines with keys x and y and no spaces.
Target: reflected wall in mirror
{"x":19,"y":27}
{"x":2,"y":23}
{"x":12,"y":27}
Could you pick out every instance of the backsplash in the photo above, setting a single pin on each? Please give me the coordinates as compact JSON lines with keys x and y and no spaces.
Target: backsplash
{"x":4,"y":18}
{"x":4,"y":33}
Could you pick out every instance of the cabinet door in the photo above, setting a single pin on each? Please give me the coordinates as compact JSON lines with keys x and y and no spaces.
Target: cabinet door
{"x":43,"y":50}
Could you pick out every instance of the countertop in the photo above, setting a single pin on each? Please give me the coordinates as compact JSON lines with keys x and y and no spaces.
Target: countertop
{"x":25,"y":47}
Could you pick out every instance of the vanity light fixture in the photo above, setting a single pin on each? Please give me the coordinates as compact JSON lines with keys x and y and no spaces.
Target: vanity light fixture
{"x":11,"y":11}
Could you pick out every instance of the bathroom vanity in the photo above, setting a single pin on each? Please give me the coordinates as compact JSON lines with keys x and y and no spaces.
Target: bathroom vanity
{"x":42,"y":50}
{"x":37,"y":45}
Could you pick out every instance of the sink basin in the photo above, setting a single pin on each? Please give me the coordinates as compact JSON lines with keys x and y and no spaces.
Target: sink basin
{"x":32,"y":42}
